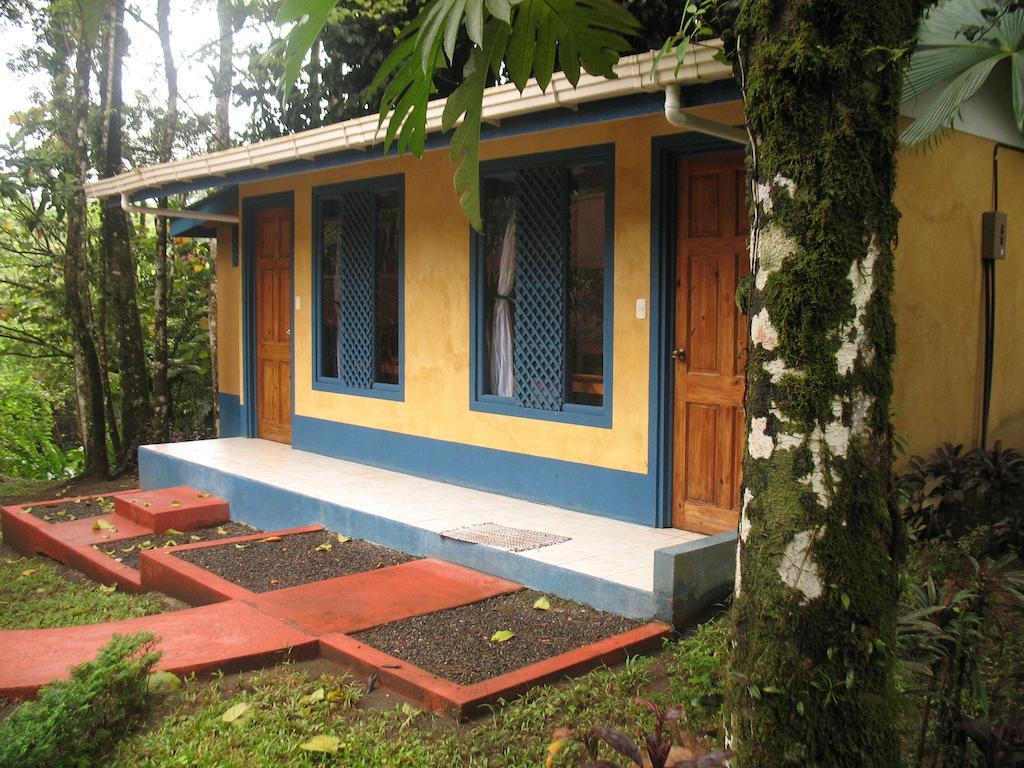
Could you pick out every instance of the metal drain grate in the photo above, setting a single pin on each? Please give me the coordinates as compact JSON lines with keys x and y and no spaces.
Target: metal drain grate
{"x":504,"y":537}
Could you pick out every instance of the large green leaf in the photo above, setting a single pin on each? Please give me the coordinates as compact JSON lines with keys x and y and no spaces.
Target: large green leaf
{"x":946,"y":53}
{"x":309,"y":17}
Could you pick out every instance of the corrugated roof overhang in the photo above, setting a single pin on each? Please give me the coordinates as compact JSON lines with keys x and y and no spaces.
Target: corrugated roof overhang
{"x":348,"y":140}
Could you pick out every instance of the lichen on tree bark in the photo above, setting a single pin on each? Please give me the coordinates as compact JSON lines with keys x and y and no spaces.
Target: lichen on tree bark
{"x":814,"y":616}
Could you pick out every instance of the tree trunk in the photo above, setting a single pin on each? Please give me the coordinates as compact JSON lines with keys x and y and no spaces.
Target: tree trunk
{"x":222,"y":82}
{"x":814,"y":615}
{"x":88,"y":382}
{"x":121,"y":261}
{"x":161,"y":387}
{"x":211,"y":334}
{"x":315,"y":85}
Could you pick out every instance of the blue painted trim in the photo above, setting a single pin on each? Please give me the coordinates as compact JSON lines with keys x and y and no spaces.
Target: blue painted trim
{"x":229,"y":408}
{"x":585,"y":114}
{"x":666,"y":152}
{"x":393,"y":182}
{"x":270,"y":507}
{"x":597,"y":490}
{"x":222,"y":201}
{"x":250,"y":205}
{"x":572,"y":413}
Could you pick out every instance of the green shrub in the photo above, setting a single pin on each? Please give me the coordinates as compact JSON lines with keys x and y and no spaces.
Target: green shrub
{"x":74,"y":722}
{"x":953,"y":494}
{"x":27,"y":447}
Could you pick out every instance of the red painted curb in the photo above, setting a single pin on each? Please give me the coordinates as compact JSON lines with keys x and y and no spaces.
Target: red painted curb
{"x":446,"y":697}
{"x":31,"y":536}
{"x":103,"y":568}
{"x":181,"y":507}
{"x":160,"y":571}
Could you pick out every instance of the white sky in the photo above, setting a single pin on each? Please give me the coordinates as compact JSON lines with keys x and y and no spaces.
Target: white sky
{"x":193,"y":28}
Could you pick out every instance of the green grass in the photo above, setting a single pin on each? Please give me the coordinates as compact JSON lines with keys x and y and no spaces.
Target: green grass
{"x":35,"y":595}
{"x":188,"y":729}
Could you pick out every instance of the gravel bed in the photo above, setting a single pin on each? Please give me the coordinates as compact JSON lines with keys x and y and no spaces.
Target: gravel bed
{"x":127,"y":551}
{"x":456,"y":643}
{"x":73,"y":510}
{"x":300,"y":558}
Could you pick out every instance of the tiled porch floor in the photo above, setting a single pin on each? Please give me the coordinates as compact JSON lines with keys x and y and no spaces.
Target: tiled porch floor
{"x":622,"y":553}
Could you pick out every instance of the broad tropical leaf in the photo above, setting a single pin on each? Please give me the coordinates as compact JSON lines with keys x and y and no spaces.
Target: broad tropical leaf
{"x":309,"y":17}
{"x":945,"y":53}
{"x":513,"y":39}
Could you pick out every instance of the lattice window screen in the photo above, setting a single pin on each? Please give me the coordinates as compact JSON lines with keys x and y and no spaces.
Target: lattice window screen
{"x":356,"y":272}
{"x":541,"y":277}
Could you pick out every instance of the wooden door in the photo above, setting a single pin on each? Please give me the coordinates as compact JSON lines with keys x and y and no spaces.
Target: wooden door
{"x":710,"y":344}
{"x":273,"y":256}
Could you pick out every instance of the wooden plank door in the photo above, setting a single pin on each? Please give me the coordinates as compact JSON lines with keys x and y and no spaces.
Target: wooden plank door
{"x":710,"y":344}
{"x":273,"y":256}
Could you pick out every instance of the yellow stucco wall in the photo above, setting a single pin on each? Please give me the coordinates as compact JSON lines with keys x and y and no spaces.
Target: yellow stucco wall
{"x":942,"y":194}
{"x":229,"y":316}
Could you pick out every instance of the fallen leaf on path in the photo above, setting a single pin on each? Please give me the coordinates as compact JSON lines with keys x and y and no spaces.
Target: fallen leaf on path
{"x":29,"y":571}
{"x":342,"y":538}
{"x":221,"y":530}
{"x":502,"y":635}
{"x":175,"y":503}
{"x":104,"y":525}
{"x":542,"y":604}
{"x":325,"y":547}
{"x":173,"y":532}
{"x":108,"y":590}
{"x":271,"y":538}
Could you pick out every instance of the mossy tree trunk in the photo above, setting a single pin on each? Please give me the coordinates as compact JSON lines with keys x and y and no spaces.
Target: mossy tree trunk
{"x":814,"y":617}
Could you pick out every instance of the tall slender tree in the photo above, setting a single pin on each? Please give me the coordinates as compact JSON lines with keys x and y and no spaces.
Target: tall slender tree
{"x":224,"y":71}
{"x":815,"y":608}
{"x":161,"y":282}
{"x":71,"y":100}
{"x":116,"y":234}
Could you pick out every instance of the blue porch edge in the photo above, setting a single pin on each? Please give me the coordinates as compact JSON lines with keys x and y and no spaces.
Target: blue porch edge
{"x":688,"y":579}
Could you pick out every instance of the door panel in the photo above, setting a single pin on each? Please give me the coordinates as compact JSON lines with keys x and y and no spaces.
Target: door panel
{"x":273,"y":256}
{"x":711,"y":344}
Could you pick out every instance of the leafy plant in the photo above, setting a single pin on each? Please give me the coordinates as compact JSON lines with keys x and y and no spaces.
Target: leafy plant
{"x":74,"y":722}
{"x":953,"y":494}
{"x":963,"y":41}
{"x":948,"y":633}
{"x":510,"y":41}
{"x":668,"y":745}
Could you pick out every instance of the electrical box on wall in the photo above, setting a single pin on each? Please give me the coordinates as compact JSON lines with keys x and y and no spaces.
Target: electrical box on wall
{"x":993,"y":235}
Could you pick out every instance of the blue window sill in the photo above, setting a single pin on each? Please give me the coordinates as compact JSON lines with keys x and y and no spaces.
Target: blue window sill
{"x":378,"y":390}
{"x":584,"y":415}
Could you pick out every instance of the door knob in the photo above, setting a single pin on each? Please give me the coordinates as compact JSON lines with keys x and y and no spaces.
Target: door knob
{"x":679,"y":354}
{"x":287,"y":331}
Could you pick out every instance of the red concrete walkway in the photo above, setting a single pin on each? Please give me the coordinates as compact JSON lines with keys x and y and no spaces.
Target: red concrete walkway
{"x":229,"y":636}
{"x":248,"y":633}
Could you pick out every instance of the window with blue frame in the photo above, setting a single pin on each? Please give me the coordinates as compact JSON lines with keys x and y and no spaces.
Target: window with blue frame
{"x":543,"y":272}
{"x":358,"y":233}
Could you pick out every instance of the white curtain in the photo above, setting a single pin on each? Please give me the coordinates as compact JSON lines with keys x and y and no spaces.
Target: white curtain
{"x":503,"y":378}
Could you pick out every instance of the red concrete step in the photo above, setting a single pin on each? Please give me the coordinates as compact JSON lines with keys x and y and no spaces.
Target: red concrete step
{"x":365,"y":600}
{"x":229,"y":636}
{"x":31,"y":536}
{"x":182,"y":508}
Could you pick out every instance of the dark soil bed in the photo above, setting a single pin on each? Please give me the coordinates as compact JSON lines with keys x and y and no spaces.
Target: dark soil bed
{"x":301,"y":558}
{"x":74,"y":510}
{"x":127,"y":550}
{"x":456,"y":644}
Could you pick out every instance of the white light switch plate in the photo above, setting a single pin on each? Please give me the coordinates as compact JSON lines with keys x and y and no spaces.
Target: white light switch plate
{"x":641,"y":309}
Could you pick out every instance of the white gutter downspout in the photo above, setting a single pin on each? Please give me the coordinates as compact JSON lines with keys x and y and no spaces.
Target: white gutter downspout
{"x":674,"y":114}
{"x":176,"y":214}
